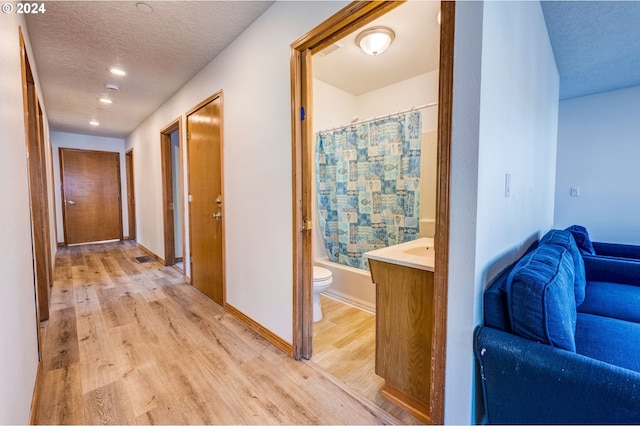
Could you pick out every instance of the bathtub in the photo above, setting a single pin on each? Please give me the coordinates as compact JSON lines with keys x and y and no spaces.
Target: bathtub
{"x":350,"y":285}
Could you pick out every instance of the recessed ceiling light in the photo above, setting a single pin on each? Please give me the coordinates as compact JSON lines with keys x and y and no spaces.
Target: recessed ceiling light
{"x":118,"y":71}
{"x":94,"y":123}
{"x":143,"y":7}
{"x":106,"y":101}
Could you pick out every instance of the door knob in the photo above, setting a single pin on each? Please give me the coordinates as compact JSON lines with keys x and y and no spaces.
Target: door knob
{"x":218,"y":216}
{"x":70,"y":202}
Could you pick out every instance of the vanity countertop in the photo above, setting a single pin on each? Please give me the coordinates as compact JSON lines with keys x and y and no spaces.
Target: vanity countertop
{"x":417,"y":254}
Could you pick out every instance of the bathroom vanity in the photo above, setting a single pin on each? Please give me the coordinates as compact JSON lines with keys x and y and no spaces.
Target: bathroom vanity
{"x":405,"y":320}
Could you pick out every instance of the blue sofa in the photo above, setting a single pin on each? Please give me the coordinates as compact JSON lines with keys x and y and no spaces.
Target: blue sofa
{"x":594,"y":248}
{"x":561,"y":340}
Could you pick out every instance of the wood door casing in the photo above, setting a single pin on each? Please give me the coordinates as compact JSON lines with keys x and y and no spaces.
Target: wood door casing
{"x":352,"y":17}
{"x":204,"y":146}
{"x":91,"y":203}
{"x":38,"y":195}
{"x":168,"y":203}
{"x":131,"y":195}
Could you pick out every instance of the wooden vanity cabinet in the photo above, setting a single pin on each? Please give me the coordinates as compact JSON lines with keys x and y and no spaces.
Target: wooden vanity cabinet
{"x":404,"y":335}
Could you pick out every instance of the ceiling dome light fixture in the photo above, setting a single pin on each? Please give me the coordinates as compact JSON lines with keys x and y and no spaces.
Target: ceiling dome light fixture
{"x":143,"y":7}
{"x":118,"y":71}
{"x":374,"y":41}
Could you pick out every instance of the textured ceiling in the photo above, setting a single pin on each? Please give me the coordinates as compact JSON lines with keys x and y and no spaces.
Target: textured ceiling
{"x":414,"y":51}
{"x":75,"y":44}
{"x":596,"y":45}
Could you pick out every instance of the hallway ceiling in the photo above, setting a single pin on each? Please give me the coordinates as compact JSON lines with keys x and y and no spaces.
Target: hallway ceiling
{"x":76,"y":43}
{"x":596,"y":45}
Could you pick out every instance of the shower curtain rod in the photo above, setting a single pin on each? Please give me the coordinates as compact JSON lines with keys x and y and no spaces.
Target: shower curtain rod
{"x":355,"y":122}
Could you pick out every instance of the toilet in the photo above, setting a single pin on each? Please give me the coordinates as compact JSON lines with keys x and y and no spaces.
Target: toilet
{"x":322,"y":279}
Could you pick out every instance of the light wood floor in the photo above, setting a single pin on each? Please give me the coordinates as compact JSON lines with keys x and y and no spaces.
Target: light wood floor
{"x":344,"y":347}
{"x":130,"y":343}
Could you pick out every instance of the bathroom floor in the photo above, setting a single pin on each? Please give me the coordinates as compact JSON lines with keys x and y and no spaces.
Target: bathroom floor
{"x":344,"y":347}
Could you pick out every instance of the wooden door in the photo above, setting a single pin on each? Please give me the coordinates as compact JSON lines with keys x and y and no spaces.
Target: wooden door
{"x":204,"y":144}
{"x":90,"y":195}
{"x":36,"y":167}
{"x":131,"y":195}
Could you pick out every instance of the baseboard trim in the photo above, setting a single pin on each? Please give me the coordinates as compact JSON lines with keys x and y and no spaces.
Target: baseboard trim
{"x":61,"y":244}
{"x":275,"y":340}
{"x":150,"y":253}
{"x":34,"y":397}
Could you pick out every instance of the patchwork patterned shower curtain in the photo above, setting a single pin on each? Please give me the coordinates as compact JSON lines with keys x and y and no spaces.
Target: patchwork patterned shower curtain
{"x":368,"y":178}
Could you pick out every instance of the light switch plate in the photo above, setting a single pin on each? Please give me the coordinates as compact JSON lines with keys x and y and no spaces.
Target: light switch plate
{"x":507,"y":184}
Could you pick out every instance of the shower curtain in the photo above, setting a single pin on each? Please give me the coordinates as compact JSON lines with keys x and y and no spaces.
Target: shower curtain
{"x":368,"y":179}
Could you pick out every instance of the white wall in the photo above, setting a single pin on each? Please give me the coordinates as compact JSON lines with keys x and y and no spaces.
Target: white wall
{"x":505,"y":121}
{"x":415,"y":91}
{"x":254,"y":74}
{"x":88,"y":142}
{"x":18,"y":325}
{"x":598,"y":152}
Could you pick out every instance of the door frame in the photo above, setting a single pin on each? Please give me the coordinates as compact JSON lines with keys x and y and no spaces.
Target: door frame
{"x":63,"y":196}
{"x":168,"y":203}
{"x":354,"y":16}
{"x":131,"y":194}
{"x":218,"y":94}
{"x":38,"y":189}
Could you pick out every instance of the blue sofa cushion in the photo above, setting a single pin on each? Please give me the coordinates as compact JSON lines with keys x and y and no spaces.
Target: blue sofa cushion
{"x":495,"y":302}
{"x":540,"y":297}
{"x":583,"y":241}
{"x":609,"y":340}
{"x":613,"y":300}
{"x":566,"y":240}
{"x":496,"y":312}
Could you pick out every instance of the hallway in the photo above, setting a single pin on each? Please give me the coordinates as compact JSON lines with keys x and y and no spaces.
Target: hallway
{"x":130,"y":343}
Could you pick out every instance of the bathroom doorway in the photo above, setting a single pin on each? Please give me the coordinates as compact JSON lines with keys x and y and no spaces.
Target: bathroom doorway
{"x":172,"y":193}
{"x":349,"y":20}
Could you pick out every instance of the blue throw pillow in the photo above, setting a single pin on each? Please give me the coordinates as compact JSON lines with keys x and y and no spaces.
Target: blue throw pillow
{"x":583,"y":241}
{"x":565,"y":239}
{"x":540,"y":297}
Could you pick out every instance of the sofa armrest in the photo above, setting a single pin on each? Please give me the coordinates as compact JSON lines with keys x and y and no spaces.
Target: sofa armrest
{"x":528,"y":382}
{"x":609,"y":269}
{"x":625,"y":251}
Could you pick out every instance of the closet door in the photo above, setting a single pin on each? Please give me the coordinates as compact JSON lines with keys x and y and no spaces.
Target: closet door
{"x":204,"y":145}
{"x":91,"y":195}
